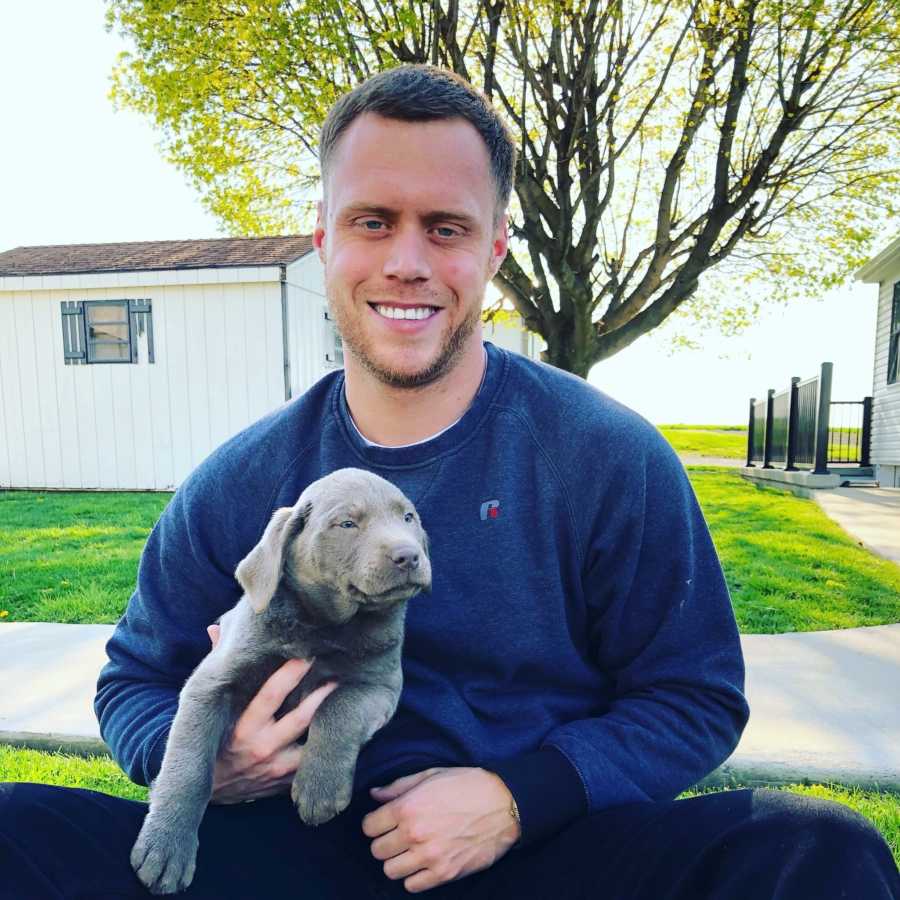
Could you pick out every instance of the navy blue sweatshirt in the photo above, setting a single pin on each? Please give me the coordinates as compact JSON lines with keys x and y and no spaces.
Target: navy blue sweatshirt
{"x":579,"y":639}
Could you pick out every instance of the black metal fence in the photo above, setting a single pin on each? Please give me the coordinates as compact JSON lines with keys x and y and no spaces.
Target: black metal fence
{"x":802,"y":427}
{"x":807,"y":413}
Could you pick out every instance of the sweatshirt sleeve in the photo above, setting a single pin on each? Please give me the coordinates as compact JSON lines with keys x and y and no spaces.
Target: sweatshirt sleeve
{"x":662,"y":627}
{"x":184,"y":583}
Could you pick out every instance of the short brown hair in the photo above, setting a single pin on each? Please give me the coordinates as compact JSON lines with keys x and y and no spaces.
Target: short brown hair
{"x":424,"y":93}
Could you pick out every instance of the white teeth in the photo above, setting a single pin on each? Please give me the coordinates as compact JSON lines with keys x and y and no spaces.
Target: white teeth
{"x":397,"y":312}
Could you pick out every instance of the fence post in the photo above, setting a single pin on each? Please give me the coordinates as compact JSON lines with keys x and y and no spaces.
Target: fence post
{"x":866,"y":431}
{"x":750,"y":425}
{"x":822,"y":420}
{"x":793,"y":412}
{"x":767,"y":449}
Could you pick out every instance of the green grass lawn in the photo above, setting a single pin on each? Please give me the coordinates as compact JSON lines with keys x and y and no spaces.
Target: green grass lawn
{"x":682,"y":426}
{"x":788,"y":566}
{"x":72,"y":557}
{"x":727,"y":442}
{"x":97,"y":773}
{"x":101,"y":774}
{"x":730,"y":441}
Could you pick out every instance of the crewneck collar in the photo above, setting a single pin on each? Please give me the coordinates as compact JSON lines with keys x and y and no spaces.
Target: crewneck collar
{"x":442,"y":443}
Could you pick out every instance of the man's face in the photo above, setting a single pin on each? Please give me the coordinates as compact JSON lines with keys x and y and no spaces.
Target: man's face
{"x":407,"y":237}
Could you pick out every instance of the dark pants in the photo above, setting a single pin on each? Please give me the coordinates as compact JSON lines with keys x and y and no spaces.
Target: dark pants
{"x":65,"y":842}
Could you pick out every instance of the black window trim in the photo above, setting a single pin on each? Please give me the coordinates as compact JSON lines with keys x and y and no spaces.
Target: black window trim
{"x":893,"y":366}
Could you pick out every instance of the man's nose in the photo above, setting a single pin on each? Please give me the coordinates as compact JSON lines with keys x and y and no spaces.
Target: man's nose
{"x":407,"y":257}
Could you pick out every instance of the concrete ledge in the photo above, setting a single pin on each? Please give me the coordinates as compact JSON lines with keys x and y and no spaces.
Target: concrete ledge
{"x":760,"y":771}
{"x":800,"y":479}
{"x":77,"y":745}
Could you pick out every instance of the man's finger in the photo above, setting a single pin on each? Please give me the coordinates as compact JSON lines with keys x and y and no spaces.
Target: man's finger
{"x":286,"y":763}
{"x":290,"y":726}
{"x":379,"y":822}
{"x":423,"y":880}
{"x":262,"y":708}
{"x":401,"y":785}
{"x":402,"y":866}
{"x":389,"y":845}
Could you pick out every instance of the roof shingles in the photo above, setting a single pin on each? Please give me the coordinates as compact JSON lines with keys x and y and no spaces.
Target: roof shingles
{"x":71,"y":259}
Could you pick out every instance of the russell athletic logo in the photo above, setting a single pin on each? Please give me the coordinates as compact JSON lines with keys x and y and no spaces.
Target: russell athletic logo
{"x":490,"y":509}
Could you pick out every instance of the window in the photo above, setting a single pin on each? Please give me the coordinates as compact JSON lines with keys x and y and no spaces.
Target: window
{"x":894,"y":338}
{"x":107,"y":331}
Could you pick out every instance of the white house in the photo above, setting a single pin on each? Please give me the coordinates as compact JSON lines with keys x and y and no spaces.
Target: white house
{"x":123,"y":365}
{"x":884,"y":270}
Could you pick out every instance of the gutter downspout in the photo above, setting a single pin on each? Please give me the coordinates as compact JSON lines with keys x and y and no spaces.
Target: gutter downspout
{"x":285,"y":344}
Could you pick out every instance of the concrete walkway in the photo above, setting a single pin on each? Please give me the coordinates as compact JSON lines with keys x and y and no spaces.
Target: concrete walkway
{"x":696,"y":459}
{"x":871,"y":515}
{"x":823,"y":705}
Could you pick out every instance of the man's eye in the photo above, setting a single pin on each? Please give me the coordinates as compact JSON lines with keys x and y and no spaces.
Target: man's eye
{"x":445,"y":231}
{"x":348,"y":523}
{"x":372,"y":225}
{"x":408,"y":517}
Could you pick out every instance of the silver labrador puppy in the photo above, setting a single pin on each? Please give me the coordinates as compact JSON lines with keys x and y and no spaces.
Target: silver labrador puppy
{"x":329,"y":579}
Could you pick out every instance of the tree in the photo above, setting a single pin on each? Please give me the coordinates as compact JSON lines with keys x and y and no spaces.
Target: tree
{"x":661,"y":141}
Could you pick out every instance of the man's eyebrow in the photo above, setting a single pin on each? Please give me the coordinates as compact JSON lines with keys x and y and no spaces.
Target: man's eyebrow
{"x":355,"y":209}
{"x":385,"y":212}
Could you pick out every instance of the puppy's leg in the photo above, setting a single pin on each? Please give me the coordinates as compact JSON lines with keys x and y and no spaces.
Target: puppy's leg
{"x":347,"y":718}
{"x":164,"y":855}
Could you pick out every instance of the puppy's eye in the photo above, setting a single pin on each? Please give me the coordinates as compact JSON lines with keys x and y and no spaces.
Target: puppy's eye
{"x":348,"y":524}
{"x":408,"y":517}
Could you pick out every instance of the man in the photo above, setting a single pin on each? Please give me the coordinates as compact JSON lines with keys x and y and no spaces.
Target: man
{"x":577,"y":664}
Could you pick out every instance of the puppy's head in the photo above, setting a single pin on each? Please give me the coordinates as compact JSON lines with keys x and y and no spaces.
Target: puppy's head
{"x":352,"y":542}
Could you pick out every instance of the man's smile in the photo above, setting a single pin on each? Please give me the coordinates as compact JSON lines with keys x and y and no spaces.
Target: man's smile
{"x":407,"y":318}
{"x":390,"y":311}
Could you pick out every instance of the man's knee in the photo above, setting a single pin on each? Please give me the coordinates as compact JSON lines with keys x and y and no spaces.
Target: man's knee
{"x":814,"y":821}
{"x":23,"y":804}
{"x":815,"y":835}
{"x":57,"y":841}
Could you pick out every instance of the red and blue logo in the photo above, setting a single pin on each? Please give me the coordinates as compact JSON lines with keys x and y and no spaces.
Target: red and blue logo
{"x":490,"y":509}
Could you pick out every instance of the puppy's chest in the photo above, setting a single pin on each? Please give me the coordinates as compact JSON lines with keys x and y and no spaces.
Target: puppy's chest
{"x":354,"y":641}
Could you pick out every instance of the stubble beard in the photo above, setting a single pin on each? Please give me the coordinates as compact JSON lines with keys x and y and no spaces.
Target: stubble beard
{"x":451,"y":350}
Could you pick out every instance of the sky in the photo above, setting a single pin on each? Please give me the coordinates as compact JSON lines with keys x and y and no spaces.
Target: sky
{"x":73,"y":170}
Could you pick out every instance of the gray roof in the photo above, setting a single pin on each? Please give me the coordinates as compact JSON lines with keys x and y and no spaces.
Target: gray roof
{"x":71,"y":259}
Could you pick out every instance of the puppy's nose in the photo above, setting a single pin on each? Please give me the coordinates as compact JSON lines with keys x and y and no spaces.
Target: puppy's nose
{"x":405,"y":556}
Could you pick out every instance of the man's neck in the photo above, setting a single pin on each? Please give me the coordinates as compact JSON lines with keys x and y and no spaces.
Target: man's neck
{"x":393,"y":416}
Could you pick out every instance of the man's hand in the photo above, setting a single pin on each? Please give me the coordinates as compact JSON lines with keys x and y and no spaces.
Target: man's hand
{"x":262,"y":755}
{"x":441,"y":824}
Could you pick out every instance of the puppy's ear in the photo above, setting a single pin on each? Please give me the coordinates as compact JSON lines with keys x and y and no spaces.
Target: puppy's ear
{"x":259,"y":572}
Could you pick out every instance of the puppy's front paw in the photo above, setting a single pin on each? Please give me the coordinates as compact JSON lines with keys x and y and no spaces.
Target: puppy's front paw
{"x":320,"y":795}
{"x":164,"y":862}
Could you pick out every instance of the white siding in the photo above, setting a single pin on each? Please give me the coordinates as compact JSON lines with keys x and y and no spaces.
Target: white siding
{"x":886,"y":397}
{"x":308,"y":330}
{"x":218,"y":367}
{"x":511,"y":335}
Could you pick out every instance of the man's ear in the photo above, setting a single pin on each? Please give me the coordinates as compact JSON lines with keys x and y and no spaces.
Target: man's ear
{"x":318,"y":238}
{"x":499,"y":244}
{"x":259,"y":572}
